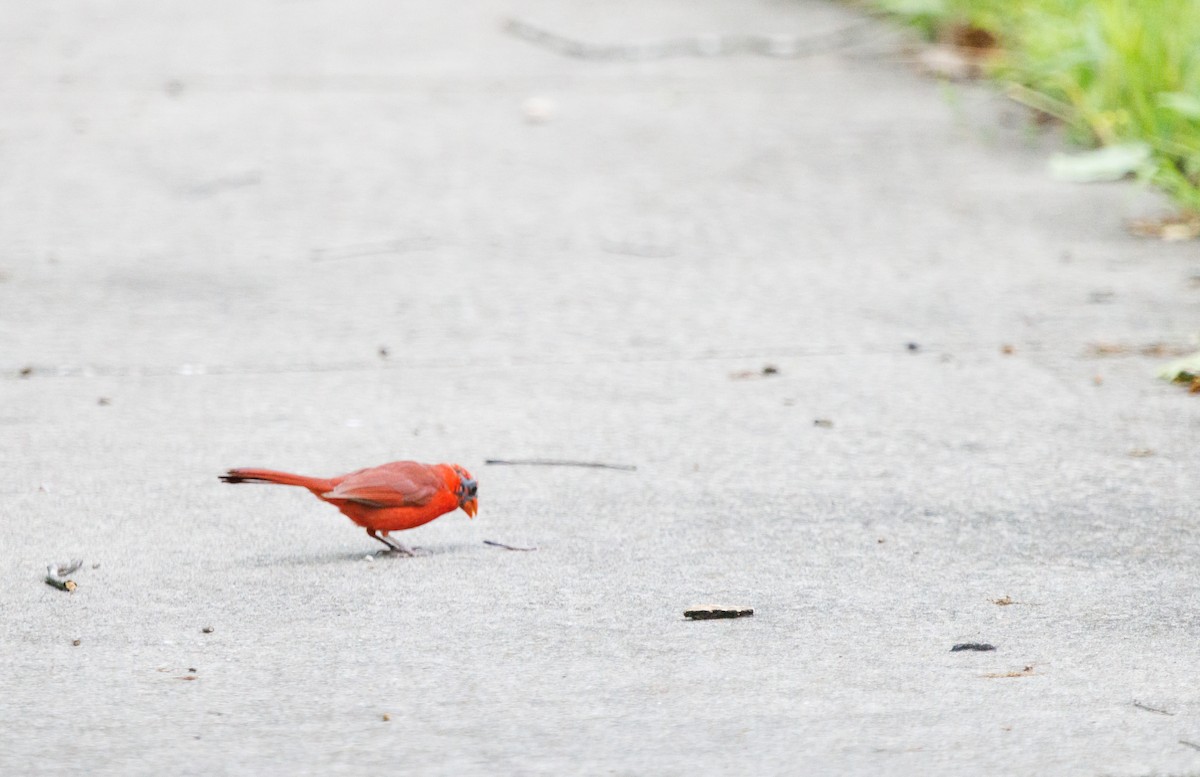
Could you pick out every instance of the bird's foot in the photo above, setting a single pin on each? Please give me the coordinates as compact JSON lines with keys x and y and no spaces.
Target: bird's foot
{"x":392,"y":545}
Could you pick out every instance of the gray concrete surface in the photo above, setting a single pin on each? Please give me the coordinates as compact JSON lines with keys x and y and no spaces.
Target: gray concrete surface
{"x":215,"y":214}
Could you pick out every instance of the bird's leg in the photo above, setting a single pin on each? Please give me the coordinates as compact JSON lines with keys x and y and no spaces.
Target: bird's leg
{"x":399,"y":546}
{"x":384,"y":539}
{"x":391,"y":543}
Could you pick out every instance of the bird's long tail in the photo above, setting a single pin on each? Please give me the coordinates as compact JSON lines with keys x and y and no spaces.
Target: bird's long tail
{"x":250,"y":475}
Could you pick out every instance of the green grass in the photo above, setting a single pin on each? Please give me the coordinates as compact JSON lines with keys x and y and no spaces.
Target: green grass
{"x":1116,"y":71}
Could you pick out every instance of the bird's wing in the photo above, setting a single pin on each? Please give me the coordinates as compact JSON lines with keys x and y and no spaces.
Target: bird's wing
{"x":400,"y":484}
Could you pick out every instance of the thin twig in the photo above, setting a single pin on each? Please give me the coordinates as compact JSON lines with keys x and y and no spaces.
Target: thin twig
{"x":561,"y":463}
{"x":1192,"y":745}
{"x":1141,"y":706}
{"x":495,"y":544}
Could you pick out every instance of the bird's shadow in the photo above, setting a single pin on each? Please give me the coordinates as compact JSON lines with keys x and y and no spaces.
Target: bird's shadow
{"x":423,"y":552}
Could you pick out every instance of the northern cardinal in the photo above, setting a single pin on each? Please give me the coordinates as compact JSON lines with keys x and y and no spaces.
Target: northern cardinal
{"x":391,"y":497}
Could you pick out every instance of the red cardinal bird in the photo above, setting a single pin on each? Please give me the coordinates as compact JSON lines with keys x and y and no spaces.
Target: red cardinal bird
{"x":390,"y":497}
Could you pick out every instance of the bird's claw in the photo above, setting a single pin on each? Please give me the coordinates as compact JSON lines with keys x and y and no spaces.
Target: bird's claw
{"x":405,"y":551}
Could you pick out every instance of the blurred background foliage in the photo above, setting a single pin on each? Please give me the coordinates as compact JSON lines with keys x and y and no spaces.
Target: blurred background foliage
{"x":1115,"y":71}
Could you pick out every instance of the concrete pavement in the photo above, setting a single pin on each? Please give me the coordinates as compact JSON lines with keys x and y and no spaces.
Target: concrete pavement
{"x":215,"y":216}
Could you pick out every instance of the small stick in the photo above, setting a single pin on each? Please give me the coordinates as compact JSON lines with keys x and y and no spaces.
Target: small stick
{"x":1141,"y":706}
{"x":561,"y":463}
{"x":1192,"y":745}
{"x":495,"y":544}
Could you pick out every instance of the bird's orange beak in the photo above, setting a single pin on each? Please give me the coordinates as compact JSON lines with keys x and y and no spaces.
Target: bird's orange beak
{"x":471,"y":507}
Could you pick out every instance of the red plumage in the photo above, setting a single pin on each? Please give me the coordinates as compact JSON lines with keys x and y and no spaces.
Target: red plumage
{"x":391,"y":497}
